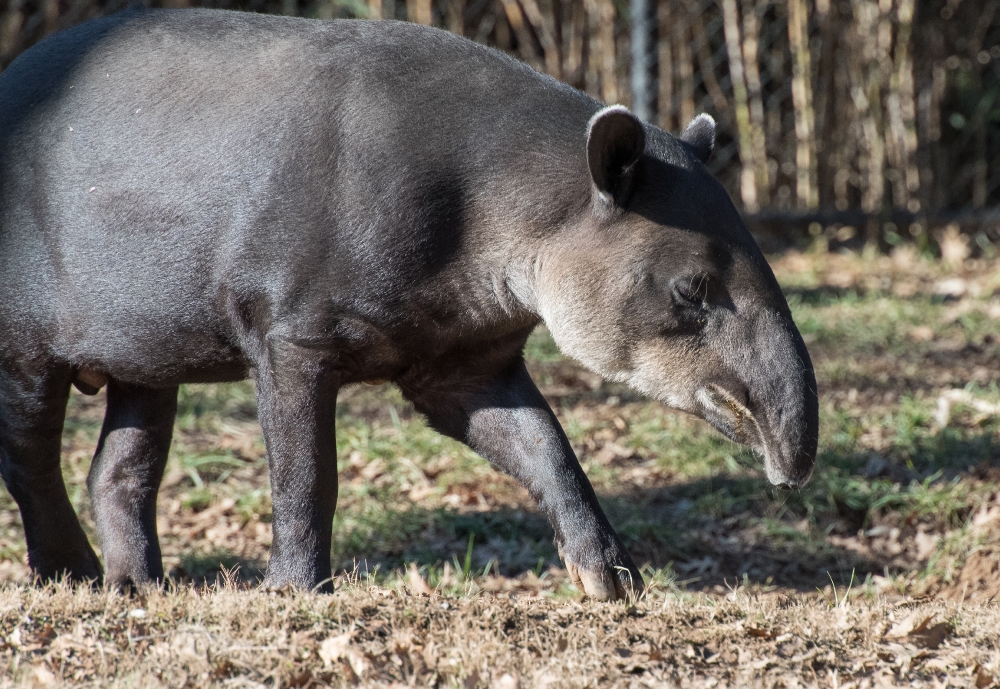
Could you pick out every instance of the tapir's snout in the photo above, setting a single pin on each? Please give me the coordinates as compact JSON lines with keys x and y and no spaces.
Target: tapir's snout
{"x":766,"y":398}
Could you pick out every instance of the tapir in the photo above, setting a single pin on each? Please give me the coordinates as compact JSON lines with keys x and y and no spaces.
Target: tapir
{"x":192,"y":196}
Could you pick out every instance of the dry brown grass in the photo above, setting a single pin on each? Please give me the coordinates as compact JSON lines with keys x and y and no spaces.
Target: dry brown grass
{"x":372,"y":636}
{"x":905,"y":504}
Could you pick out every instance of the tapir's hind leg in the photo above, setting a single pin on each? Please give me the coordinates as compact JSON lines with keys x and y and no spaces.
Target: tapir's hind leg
{"x":125,"y":477}
{"x":504,"y":418}
{"x":33,"y":398}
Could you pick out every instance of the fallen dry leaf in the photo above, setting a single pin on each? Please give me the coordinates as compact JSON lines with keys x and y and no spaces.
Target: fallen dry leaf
{"x":340,"y":647}
{"x":418,"y":585}
{"x":929,"y":636}
{"x":903,"y":628}
{"x":983,"y":679}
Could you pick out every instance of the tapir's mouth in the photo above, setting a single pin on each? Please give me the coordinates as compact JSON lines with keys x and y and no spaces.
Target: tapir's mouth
{"x":731,"y":417}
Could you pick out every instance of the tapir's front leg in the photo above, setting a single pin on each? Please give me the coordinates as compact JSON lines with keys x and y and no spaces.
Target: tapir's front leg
{"x":297,"y":399}
{"x":505,"y":419}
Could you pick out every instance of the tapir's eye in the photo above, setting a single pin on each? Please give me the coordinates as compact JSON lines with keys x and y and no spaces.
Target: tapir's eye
{"x":691,"y":291}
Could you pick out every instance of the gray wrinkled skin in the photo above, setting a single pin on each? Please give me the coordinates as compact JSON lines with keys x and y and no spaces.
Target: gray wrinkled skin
{"x":193,"y":196}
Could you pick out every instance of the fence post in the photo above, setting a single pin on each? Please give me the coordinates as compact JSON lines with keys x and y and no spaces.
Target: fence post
{"x":644,"y":59}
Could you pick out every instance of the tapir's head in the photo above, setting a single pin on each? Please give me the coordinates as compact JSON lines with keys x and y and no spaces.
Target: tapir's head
{"x":662,"y":287}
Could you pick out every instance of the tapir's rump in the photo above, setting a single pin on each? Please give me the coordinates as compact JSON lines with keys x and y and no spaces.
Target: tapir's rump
{"x":197,"y":195}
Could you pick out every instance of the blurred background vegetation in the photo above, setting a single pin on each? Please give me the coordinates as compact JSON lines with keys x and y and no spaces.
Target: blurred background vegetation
{"x":861,"y":120}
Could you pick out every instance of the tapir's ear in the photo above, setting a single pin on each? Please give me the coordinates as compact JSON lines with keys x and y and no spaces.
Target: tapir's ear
{"x":615,"y":141}
{"x":700,"y":136}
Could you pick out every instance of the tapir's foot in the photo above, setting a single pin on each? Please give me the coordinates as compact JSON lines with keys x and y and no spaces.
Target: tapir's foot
{"x":133,"y":580}
{"x":280,"y":585}
{"x":301,"y":576}
{"x":607,"y":573}
{"x":79,"y":565}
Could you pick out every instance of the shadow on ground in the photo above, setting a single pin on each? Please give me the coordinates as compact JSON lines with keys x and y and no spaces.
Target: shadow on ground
{"x":854,"y":520}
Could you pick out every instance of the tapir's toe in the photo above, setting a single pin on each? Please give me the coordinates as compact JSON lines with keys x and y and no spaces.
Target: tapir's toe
{"x":598,"y":585}
{"x":607,"y":581}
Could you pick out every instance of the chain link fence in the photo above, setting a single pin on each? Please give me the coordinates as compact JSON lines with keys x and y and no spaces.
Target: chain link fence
{"x":882,"y":114}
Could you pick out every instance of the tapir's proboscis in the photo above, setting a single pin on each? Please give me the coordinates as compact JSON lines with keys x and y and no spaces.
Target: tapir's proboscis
{"x":192,"y":196}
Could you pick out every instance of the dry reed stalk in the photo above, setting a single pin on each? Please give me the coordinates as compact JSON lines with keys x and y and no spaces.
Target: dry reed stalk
{"x":866,"y":81}
{"x":601,"y":14}
{"x":665,"y":104}
{"x":591,"y":69}
{"x":684,"y":64}
{"x":574,"y":67}
{"x":805,"y":149}
{"x":755,"y":102}
{"x":827,"y":102}
{"x":980,"y":165}
{"x":50,"y":14}
{"x":419,"y":12}
{"x":10,"y":31}
{"x":609,"y":79}
{"x":455,"y":17}
{"x":744,"y":138}
{"x":499,"y":25}
{"x":558,"y":29}
{"x":902,"y":114}
{"x":939,"y":82}
{"x":542,"y":25}
{"x":525,"y":40}
{"x":704,"y":52}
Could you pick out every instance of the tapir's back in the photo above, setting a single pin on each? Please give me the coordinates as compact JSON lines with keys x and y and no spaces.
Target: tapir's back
{"x":159,"y":169}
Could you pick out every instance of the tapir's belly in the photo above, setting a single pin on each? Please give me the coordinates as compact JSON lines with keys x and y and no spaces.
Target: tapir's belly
{"x":138,"y":302}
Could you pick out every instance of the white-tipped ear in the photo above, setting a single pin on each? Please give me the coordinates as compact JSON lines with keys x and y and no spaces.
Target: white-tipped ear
{"x":700,"y":136}
{"x":615,"y":142}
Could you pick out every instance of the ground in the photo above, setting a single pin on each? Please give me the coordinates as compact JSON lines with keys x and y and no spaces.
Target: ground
{"x":882,"y":571}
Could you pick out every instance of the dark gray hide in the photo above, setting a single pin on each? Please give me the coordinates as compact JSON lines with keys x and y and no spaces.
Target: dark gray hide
{"x":192,"y":195}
